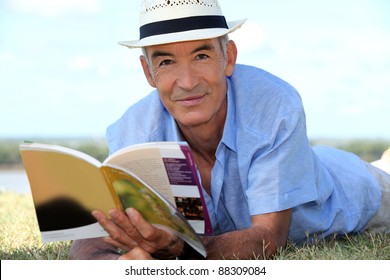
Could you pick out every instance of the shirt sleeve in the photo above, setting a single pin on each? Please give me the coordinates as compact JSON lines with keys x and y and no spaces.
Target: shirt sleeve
{"x":281,"y":174}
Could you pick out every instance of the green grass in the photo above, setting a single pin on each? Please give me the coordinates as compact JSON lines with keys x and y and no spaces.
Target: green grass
{"x":20,"y":239}
{"x":351,"y":247}
{"x":19,"y":234}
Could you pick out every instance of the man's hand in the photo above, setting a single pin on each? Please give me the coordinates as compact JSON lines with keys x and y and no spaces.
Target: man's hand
{"x":130,"y":231}
{"x":136,"y":254}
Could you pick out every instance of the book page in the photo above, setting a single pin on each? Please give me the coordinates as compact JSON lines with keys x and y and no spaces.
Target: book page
{"x":147,"y":164}
{"x":155,"y":209}
{"x":65,"y":189}
{"x":168,"y":167}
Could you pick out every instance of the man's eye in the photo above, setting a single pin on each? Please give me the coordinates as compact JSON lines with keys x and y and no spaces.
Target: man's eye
{"x":202,"y":56}
{"x":166,"y":62}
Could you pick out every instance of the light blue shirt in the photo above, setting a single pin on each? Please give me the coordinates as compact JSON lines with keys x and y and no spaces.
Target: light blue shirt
{"x":264,"y":162}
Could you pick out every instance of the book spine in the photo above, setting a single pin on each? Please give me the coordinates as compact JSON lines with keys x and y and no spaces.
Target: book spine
{"x":187,"y":153}
{"x":107,"y":173}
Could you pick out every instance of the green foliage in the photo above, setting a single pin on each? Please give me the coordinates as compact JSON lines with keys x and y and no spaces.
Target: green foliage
{"x":9,"y":153}
{"x":10,"y":156}
{"x":97,"y":150}
{"x":367,"y":149}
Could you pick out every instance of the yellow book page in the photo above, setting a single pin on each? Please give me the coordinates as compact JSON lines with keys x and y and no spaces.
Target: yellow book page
{"x":134,"y":193}
{"x":56,"y":177}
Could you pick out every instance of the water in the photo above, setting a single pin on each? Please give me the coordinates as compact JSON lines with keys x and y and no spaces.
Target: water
{"x":14,"y":180}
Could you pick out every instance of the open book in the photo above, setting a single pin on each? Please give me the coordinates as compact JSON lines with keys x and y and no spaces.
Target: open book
{"x":157,"y":179}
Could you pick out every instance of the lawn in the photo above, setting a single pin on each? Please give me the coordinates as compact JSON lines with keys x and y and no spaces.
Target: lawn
{"x":19,"y":234}
{"x":20,"y":240}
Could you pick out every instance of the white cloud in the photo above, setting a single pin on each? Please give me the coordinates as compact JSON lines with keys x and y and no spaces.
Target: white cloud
{"x":53,"y":8}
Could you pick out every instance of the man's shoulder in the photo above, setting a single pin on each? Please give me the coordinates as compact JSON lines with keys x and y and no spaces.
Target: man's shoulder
{"x":257,"y":78}
{"x":263,"y":101}
{"x":256,"y":87}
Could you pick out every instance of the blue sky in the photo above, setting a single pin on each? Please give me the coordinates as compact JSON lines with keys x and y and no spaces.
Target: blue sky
{"x":62,"y":73}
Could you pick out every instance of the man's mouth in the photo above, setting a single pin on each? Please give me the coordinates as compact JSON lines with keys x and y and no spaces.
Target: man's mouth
{"x":192,"y":100}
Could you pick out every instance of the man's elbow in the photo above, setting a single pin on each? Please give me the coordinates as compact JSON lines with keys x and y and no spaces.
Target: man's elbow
{"x":92,"y":249}
{"x":271,"y":248}
{"x":75,"y":251}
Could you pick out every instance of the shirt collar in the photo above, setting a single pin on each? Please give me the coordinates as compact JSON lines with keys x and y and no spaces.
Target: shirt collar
{"x":172,"y":130}
{"x":229,"y":132}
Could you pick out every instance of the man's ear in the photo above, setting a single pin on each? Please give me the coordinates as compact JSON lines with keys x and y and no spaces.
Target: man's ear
{"x":231,"y":57}
{"x":148,"y":75}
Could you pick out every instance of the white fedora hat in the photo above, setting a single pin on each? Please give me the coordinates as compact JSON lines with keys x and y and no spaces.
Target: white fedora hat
{"x":169,"y":21}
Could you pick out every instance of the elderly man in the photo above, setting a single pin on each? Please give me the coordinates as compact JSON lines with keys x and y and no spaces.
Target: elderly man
{"x":263,"y":183}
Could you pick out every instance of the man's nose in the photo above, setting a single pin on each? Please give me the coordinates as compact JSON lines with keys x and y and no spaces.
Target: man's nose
{"x":188,"y":77}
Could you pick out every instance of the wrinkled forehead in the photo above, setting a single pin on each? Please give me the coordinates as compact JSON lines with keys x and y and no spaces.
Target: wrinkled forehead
{"x":183,"y":48}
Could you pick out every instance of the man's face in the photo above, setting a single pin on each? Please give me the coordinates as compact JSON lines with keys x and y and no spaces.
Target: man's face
{"x":191,"y":79}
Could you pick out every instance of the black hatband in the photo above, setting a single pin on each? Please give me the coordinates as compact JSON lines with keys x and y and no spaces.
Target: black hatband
{"x":182,"y":24}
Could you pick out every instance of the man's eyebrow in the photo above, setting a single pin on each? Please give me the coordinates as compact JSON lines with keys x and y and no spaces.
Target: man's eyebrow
{"x":157,"y":53}
{"x":205,"y":47}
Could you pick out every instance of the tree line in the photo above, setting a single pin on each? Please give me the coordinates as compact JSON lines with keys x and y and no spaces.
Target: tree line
{"x":367,"y":149}
{"x":10,"y":156}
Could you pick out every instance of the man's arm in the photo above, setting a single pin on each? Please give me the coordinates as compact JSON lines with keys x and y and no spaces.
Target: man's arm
{"x":97,"y":249}
{"x":267,"y":235}
{"x":92,"y":249}
{"x":129,"y":232}
{"x":263,"y":240}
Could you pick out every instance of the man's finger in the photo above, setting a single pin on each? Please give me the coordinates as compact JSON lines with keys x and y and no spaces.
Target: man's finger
{"x":136,"y":254}
{"x":155,"y":239}
{"x":145,"y":229}
{"x":115,"y":231}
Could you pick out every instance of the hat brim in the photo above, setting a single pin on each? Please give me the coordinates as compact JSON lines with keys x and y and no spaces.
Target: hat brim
{"x":193,"y":35}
